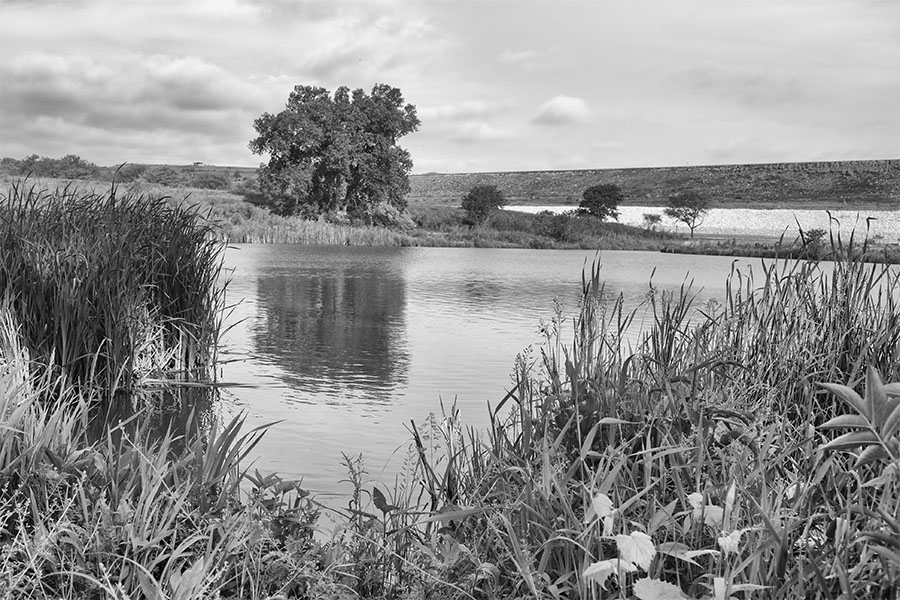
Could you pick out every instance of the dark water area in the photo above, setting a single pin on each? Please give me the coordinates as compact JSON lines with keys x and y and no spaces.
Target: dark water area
{"x":341,"y":347}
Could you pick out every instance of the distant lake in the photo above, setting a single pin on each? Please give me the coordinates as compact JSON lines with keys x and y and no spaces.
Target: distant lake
{"x":345,"y":345}
{"x":760,"y":222}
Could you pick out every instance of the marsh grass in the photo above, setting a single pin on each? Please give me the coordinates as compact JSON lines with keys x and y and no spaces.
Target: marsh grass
{"x":714,"y":429}
{"x":110,"y":289}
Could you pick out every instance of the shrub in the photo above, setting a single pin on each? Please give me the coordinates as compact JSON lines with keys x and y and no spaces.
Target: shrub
{"x":602,"y":201}
{"x":163,"y":175}
{"x":209,"y":181}
{"x":652,"y":221}
{"x":481,"y":201}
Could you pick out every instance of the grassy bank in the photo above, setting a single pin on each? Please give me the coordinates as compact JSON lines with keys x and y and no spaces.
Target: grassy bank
{"x":746,"y":450}
{"x":234,"y":220}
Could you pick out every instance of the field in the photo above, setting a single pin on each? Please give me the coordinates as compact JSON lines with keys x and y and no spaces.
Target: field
{"x":746,"y":450}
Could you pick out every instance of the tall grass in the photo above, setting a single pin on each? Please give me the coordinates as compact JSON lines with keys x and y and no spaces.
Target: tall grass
{"x":110,"y":288}
{"x":707,"y":447}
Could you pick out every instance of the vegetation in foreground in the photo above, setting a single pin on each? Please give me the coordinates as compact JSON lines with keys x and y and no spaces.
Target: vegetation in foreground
{"x":747,"y":448}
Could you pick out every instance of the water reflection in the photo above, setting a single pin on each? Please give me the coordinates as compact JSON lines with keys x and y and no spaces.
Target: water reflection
{"x":343,"y":346}
{"x":336,"y":331}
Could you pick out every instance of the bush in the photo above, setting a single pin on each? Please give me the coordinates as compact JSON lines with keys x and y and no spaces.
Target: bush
{"x":209,"y":181}
{"x":602,"y":201}
{"x":128,"y":172}
{"x":163,"y":175}
{"x":480,"y":202}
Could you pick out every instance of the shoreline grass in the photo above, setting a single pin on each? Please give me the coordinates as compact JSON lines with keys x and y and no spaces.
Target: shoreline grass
{"x":235,"y":220}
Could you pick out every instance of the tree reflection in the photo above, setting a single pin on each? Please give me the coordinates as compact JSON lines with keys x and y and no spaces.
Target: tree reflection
{"x":335,"y":331}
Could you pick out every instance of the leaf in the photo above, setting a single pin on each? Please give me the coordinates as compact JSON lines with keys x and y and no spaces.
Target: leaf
{"x":186,"y":584}
{"x":871,"y":454}
{"x":676,"y":550}
{"x":845,"y":421}
{"x":875,"y":396}
{"x":892,"y":422}
{"x":749,"y":587}
{"x":661,"y":516}
{"x":884,"y":538}
{"x":600,"y":571}
{"x":848,"y":396}
{"x":851,"y":440}
{"x":613,"y":421}
{"x":446,"y":514}
{"x":654,"y":589}
{"x":381,"y":502}
{"x":886,"y":554}
{"x":693,"y":553}
{"x":636,"y":548}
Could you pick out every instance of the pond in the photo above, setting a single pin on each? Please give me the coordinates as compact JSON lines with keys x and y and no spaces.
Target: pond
{"x":343,"y":346}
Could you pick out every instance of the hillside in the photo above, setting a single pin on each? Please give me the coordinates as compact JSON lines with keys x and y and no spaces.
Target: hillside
{"x":872,"y":183}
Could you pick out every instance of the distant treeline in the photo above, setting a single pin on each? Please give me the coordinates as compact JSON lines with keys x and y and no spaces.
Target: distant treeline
{"x":75,"y":167}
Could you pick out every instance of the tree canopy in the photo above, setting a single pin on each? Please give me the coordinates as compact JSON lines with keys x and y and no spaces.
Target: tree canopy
{"x":481,"y":201}
{"x":339,"y":153}
{"x":601,"y":201}
{"x":689,"y":207}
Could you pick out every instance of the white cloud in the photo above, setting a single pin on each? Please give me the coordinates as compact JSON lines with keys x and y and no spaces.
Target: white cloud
{"x":463,"y":110}
{"x":476,"y":131}
{"x":563,"y":110}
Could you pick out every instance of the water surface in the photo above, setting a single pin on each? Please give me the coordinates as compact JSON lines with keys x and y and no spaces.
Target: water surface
{"x":345,"y":345}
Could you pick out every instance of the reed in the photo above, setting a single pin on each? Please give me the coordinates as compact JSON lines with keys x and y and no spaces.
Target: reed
{"x":110,"y":289}
{"x":706,"y":447}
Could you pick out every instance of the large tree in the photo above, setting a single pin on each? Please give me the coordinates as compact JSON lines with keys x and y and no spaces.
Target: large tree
{"x":337,"y":153}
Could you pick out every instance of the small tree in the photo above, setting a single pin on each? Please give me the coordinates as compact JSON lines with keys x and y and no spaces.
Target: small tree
{"x":601,"y":201}
{"x":813,"y":241}
{"x":481,"y":201}
{"x":689,"y":207}
{"x":652,"y":221}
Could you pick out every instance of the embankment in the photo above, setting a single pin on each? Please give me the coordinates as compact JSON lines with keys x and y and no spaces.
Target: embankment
{"x":832,"y":184}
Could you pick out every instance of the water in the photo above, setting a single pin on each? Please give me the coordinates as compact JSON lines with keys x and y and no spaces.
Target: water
{"x":769,"y":222}
{"x":345,"y":345}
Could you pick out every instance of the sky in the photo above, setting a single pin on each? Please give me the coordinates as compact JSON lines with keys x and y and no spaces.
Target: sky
{"x":498,"y":85}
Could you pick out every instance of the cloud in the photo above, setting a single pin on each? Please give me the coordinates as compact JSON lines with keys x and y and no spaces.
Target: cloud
{"x":470,"y":132}
{"x":562,"y":110}
{"x":463,"y":110}
{"x":126,"y":100}
{"x":294,"y":10}
{"x":466,"y":122}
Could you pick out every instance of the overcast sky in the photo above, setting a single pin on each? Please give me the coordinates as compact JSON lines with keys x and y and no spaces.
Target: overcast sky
{"x":499,"y":86}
